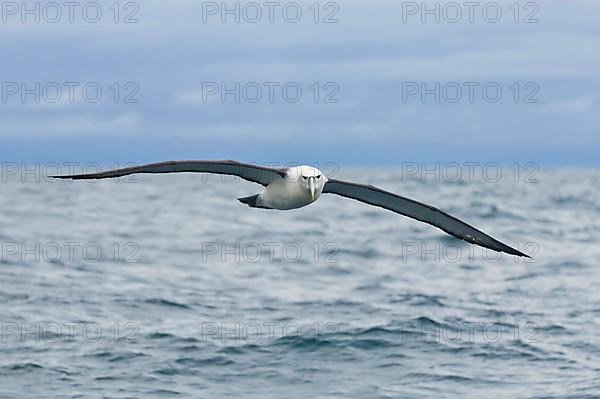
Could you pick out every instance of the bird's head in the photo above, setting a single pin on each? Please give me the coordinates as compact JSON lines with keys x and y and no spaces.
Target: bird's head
{"x":310,"y":179}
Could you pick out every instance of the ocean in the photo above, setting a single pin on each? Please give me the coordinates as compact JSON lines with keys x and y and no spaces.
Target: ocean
{"x":166,"y":286}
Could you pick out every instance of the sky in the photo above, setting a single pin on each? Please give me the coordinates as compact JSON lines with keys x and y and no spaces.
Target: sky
{"x":373,"y":82}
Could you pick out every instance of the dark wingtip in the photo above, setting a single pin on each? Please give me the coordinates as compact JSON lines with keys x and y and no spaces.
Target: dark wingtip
{"x":514,"y":252}
{"x":524,"y":255}
{"x":73,"y":177}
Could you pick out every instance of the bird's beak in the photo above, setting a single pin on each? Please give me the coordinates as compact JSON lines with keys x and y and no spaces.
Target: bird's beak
{"x":312,"y":185}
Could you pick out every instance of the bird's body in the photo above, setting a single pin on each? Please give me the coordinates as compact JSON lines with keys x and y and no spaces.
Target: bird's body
{"x":293,"y":190}
{"x":297,"y":187}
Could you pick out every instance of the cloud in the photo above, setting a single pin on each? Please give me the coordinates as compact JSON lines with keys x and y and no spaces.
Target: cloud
{"x":72,"y":125}
{"x":573,"y":105}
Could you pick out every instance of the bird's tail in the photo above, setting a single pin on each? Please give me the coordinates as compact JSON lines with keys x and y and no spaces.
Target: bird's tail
{"x":253,"y":201}
{"x":250,"y":201}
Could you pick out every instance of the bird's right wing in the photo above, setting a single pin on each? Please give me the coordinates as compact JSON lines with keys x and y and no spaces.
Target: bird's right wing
{"x":254,"y":173}
{"x":419,"y":211}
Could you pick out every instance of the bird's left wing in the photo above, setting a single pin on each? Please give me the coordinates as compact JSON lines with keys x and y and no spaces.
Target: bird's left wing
{"x":419,"y":211}
{"x":254,"y":173}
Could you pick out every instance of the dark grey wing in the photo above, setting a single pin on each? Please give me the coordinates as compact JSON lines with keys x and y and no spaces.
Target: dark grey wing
{"x":417,"y":210}
{"x":254,"y":173}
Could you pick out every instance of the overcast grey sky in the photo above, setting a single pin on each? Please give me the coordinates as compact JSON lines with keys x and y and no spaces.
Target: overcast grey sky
{"x":360,"y":82}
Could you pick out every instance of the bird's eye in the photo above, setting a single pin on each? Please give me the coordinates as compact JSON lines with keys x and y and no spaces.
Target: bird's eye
{"x":304,"y":177}
{"x":318,"y":176}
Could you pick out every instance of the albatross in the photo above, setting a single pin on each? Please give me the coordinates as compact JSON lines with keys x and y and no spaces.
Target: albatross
{"x":296,"y":187}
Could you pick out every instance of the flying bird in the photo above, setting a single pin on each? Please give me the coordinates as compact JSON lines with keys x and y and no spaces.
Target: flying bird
{"x":296,"y":187}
